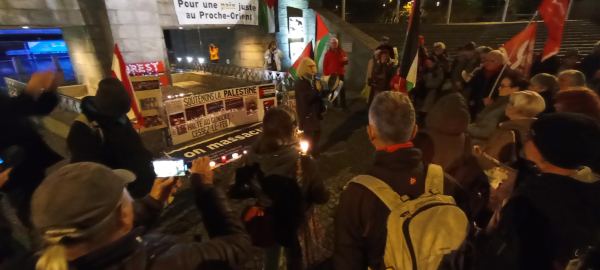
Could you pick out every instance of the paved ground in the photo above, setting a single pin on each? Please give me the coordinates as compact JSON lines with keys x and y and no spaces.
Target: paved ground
{"x":347,"y":153}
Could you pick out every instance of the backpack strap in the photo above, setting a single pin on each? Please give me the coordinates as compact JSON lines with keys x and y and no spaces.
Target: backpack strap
{"x":434,"y":180}
{"x":382,"y":190}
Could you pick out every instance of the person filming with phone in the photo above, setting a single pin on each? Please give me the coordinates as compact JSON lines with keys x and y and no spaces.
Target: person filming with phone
{"x":91,"y":224}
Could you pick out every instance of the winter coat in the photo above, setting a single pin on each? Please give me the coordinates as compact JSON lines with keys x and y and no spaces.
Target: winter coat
{"x":277,"y":55}
{"x":500,"y":146}
{"x":309,"y":105}
{"x":480,"y":87}
{"x":227,"y":248}
{"x":16,"y":129}
{"x":360,"y":223}
{"x":334,"y":62}
{"x":461,"y":64}
{"x":381,"y":76}
{"x":544,"y":225}
{"x":549,"y":101}
{"x":487,"y":121}
{"x":112,"y":142}
{"x":286,"y":196}
{"x":444,"y":60}
{"x":434,"y":79}
{"x":443,"y":140}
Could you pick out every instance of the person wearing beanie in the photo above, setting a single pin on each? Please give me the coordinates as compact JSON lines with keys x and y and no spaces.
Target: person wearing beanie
{"x":102,"y":133}
{"x":555,"y":214}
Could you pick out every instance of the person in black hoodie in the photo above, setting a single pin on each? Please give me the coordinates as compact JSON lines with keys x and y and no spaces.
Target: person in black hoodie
{"x":102,"y":133}
{"x":17,"y":130}
{"x":553,"y":215}
{"x":86,"y":217}
{"x":288,"y":186}
{"x":360,"y":221}
{"x":547,"y":86}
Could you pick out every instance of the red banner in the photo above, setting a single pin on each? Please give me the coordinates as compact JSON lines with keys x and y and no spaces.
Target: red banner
{"x":149,"y":69}
{"x":518,"y":52}
{"x":554,"y":13}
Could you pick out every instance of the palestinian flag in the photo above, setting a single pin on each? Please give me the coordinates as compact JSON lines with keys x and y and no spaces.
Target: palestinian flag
{"x":307,"y":52}
{"x":266,"y":16}
{"x":119,"y":71}
{"x":323,"y":37}
{"x":410,"y":57}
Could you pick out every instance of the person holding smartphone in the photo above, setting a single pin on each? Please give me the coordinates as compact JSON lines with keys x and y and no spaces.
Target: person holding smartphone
{"x":273,"y":57}
{"x":98,"y":229}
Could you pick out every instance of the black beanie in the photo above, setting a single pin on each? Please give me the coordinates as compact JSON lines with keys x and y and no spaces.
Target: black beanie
{"x":567,"y":140}
{"x":112,"y":99}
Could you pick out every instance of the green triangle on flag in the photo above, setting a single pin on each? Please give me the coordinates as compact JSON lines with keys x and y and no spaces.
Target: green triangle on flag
{"x":307,"y":52}
{"x":323,"y":37}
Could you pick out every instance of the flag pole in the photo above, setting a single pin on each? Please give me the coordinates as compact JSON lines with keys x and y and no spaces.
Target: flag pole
{"x":509,"y":57}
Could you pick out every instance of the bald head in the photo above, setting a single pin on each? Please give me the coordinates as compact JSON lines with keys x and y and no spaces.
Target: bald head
{"x":571,"y":78}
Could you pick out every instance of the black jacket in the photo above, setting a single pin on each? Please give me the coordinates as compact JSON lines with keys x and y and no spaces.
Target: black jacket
{"x":360,"y":222}
{"x":382,"y":75}
{"x":549,"y":219}
{"x":309,"y":105}
{"x":479,"y":87}
{"x":16,"y":129}
{"x":226,"y":249}
{"x":112,"y":142}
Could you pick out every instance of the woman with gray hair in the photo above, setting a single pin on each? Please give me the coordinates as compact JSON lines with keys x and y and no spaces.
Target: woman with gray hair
{"x":547,"y":86}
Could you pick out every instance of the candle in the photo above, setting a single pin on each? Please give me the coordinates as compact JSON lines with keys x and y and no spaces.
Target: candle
{"x":304,"y":147}
{"x":224,"y":159}
{"x":235,"y":155}
{"x":212,"y":163}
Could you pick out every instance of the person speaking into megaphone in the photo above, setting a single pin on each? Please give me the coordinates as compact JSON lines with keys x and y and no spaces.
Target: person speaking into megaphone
{"x":335,"y":63}
{"x":309,"y":103}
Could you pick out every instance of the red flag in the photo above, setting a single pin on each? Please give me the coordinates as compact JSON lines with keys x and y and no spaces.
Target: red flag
{"x":518,"y":51}
{"x":554,"y":13}
{"x":119,"y":71}
{"x":307,"y":52}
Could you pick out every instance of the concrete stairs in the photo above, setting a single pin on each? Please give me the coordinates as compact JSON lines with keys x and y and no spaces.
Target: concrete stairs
{"x":581,"y":35}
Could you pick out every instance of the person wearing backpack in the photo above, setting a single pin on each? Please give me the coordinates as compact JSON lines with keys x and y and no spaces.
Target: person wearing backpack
{"x":102,"y":133}
{"x":555,"y":215}
{"x":286,"y":185}
{"x":361,"y":232}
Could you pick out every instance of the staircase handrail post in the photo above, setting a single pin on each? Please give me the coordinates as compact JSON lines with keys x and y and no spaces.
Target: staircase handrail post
{"x":505,"y":10}
{"x":569,"y":9}
{"x":449,"y":11}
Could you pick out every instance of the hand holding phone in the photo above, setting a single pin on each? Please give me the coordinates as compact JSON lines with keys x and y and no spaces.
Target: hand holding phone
{"x":165,"y":168}
{"x":164,"y":187}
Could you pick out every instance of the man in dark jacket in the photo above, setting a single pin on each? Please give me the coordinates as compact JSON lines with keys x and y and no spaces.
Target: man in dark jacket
{"x":16,"y":130}
{"x":104,"y":134}
{"x":553,"y":216}
{"x":482,"y":83}
{"x":96,"y":230}
{"x":467,"y":63}
{"x":360,"y":223}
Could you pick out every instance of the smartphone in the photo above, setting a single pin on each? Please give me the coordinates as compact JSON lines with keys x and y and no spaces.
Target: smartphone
{"x":169,"y":167}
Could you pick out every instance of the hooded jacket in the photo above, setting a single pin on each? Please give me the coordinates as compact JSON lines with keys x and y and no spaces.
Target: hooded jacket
{"x":112,"y":142}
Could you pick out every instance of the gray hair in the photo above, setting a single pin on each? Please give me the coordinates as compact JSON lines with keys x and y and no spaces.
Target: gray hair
{"x":546,"y":81}
{"x":304,"y":67}
{"x":527,"y":103}
{"x":576,"y":75}
{"x":393,"y":117}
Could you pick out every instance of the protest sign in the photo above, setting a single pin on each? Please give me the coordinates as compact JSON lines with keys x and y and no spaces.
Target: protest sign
{"x":217,"y":12}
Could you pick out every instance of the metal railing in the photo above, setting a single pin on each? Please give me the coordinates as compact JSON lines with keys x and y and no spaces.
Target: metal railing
{"x":282,"y":80}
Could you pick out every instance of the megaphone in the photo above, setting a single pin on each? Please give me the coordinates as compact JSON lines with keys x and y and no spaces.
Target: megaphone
{"x":334,"y":85}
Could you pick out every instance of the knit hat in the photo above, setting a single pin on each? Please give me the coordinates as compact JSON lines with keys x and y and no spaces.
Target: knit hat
{"x":567,"y":140}
{"x":112,"y":98}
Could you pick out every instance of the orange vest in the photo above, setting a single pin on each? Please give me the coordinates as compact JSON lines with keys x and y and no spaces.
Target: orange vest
{"x":214,"y":53}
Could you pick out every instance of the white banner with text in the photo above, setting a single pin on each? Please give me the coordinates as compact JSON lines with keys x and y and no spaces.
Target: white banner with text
{"x":217,"y":12}
{"x":194,"y":116}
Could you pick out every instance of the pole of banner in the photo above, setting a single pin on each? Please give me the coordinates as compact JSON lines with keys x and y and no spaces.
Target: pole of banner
{"x":509,"y":57}
{"x":344,"y":10}
{"x":569,"y":8}
{"x":449,"y":12}
{"x":505,"y":10}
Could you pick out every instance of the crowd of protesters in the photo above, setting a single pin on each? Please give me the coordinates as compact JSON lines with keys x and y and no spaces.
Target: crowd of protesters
{"x":506,"y":166}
